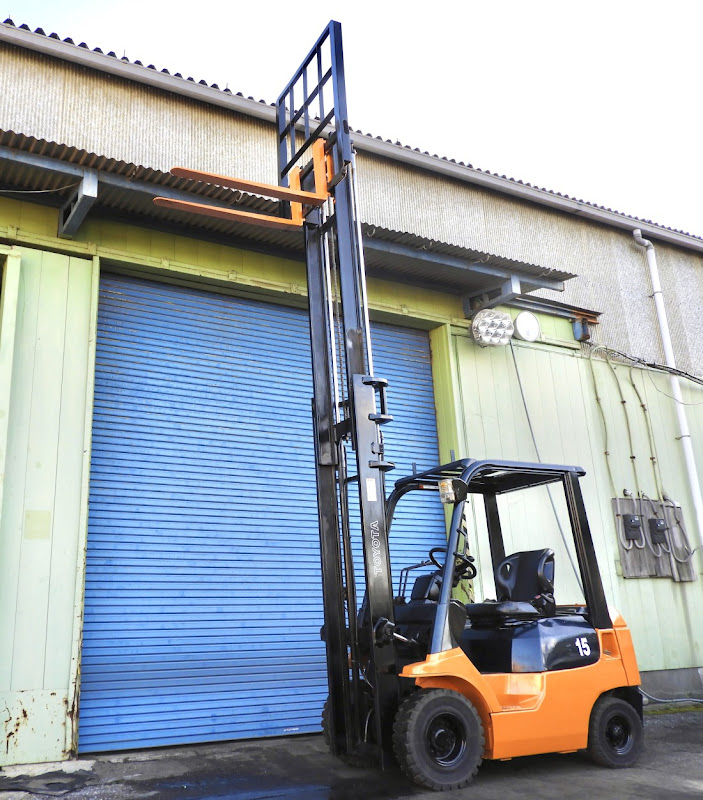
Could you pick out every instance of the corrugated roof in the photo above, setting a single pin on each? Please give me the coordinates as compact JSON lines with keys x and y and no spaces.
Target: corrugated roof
{"x":111,"y":166}
{"x":444,"y":277}
{"x":371,"y":138}
{"x":127,"y":190}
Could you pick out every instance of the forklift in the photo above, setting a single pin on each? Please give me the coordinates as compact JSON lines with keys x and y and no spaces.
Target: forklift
{"x":429,"y":681}
{"x":515,"y":675}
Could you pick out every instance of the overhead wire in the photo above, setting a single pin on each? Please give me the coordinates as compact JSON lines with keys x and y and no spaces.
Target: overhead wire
{"x":654,"y":458}
{"x":643,"y":361}
{"x":628,"y":427}
{"x":670,"y":549}
{"x":671,"y":396}
{"x":599,"y":403}
{"x":39,"y":191}
{"x":679,"y":524}
{"x":639,"y":495}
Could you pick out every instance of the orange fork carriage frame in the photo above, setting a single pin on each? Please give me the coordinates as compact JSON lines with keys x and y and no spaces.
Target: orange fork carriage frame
{"x":321,"y":166}
{"x":527,"y":713}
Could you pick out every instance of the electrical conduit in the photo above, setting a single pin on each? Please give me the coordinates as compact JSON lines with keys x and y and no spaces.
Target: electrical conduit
{"x":684,"y":433}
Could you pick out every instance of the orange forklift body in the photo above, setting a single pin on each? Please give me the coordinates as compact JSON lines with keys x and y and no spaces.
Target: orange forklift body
{"x":540,"y":712}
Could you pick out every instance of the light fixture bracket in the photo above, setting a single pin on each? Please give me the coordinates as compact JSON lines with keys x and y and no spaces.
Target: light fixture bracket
{"x":508,"y":290}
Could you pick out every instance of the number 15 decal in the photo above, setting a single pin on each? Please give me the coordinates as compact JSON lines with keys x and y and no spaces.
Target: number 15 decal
{"x":583,"y":646}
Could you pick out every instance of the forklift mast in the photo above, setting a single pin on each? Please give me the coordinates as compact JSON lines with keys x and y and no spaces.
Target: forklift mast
{"x":349,"y":402}
{"x":318,"y":194}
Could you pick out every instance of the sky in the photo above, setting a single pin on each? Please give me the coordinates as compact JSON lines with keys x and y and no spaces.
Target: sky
{"x":597,"y":100}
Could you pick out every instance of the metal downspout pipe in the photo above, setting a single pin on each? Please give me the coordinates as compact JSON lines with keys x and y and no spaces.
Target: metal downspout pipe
{"x":684,"y":433}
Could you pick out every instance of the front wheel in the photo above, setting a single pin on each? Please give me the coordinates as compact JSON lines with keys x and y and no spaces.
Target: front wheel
{"x":615,"y":735}
{"x":438,"y":739}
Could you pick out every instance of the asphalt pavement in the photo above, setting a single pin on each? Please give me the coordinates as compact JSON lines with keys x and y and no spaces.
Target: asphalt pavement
{"x":300,"y":768}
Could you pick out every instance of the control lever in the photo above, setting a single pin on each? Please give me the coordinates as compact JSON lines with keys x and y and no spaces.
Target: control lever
{"x":384,"y":632}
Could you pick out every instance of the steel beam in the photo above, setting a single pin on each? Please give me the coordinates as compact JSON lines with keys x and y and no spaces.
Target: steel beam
{"x":507,"y":291}
{"x":459,"y":264}
{"x":41,"y":162}
{"x":539,"y":305}
{"x":148,"y":190}
{"x":73,"y":212}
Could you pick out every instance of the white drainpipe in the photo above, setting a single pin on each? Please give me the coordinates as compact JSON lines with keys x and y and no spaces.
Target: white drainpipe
{"x":684,"y":433}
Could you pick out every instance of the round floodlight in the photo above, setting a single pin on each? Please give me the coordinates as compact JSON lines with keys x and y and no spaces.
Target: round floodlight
{"x":527,"y":327}
{"x":492,"y":328}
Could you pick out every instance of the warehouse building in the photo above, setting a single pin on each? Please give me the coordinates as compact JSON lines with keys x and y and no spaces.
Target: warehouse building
{"x":159,"y":555}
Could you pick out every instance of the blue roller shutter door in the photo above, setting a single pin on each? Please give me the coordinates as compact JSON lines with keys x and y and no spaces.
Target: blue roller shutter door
{"x":202,"y":606}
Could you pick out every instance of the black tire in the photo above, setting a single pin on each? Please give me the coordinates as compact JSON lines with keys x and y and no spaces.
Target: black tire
{"x":438,"y":739}
{"x":615,"y":735}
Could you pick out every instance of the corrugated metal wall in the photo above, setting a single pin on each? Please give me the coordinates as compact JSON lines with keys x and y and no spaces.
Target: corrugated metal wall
{"x":612,"y":269}
{"x":95,"y":111}
{"x":128,"y":121}
{"x":203,"y":600}
{"x":569,"y":428}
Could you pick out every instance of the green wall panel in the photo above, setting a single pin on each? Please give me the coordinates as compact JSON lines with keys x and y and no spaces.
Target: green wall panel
{"x":41,"y":542}
{"x":569,"y":428}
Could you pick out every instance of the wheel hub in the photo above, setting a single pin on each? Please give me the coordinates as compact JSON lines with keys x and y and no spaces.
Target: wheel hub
{"x":618,"y":734}
{"x":446,"y":739}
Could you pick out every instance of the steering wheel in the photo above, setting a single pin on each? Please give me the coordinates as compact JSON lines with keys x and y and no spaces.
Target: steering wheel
{"x":433,"y":558}
{"x":464,"y":569}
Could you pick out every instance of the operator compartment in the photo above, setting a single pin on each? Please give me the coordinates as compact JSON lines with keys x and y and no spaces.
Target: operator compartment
{"x":522,"y":630}
{"x":506,"y":636}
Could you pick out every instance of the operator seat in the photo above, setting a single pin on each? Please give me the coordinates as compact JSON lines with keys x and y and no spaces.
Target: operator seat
{"x":524,"y":587}
{"x":427,"y":587}
{"x":417,"y":616}
{"x":422,"y":605}
{"x":528,"y":576}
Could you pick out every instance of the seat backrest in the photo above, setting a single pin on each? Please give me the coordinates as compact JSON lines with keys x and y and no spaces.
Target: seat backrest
{"x":526,"y":576}
{"x":426,"y":587}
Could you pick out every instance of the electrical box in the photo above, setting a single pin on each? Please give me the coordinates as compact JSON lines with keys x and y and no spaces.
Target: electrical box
{"x":652,"y":540}
{"x":633,"y":527}
{"x":657,"y":530}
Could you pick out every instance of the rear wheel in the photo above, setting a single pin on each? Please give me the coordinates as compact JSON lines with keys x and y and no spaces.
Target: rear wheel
{"x":438,"y":739}
{"x":615,"y":735}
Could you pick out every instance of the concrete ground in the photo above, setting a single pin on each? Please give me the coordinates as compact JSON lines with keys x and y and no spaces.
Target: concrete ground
{"x":301,"y":767}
